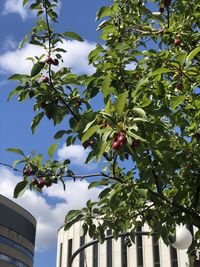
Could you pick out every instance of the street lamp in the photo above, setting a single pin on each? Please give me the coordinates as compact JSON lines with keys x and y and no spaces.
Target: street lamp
{"x":182,"y":239}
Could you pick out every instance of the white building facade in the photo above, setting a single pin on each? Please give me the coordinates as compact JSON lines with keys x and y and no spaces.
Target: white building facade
{"x":145,"y":252}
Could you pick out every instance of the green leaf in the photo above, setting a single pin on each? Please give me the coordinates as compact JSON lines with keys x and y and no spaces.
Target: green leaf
{"x":73,"y":35}
{"x":93,"y":184}
{"x":21,"y":44}
{"x":103,"y":12}
{"x":177,"y":101}
{"x":16,"y":150}
{"x":20,"y":188}
{"x":18,"y":77}
{"x":37,"y":67}
{"x":104,"y":193}
{"x":18,"y":162}
{"x":14,"y":92}
{"x":25,"y":2}
{"x":141,"y":112}
{"x":59,"y":134}
{"x":72,"y":214}
{"x":138,"y":86}
{"x":106,"y":84}
{"x":160,"y":71}
{"x":89,"y":133}
{"x":52,"y":150}
{"x":192,"y":54}
{"x":70,"y":223}
{"x":36,"y":121}
{"x":121,"y":103}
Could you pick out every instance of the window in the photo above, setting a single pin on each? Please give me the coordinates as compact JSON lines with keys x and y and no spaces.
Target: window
{"x":156,"y":254}
{"x":82,"y":252}
{"x":95,"y":255}
{"x":109,"y":250}
{"x":15,"y":245}
{"x":173,"y":257}
{"x":123,"y":252}
{"x":61,"y":245}
{"x":69,"y":254}
{"x":139,"y":249}
{"x":12,"y":260}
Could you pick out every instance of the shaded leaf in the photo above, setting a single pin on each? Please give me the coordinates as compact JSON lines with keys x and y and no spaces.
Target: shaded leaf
{"x":73,"y":35}
{"x":59,"y":134}
{"x":106,"y":84}
{"x":177,"y":101}
{"x":36,"y":121}
{"x":120,"y":103}
{"x":37,"y":67}
{"x":89,"y":133}
{"x":20,"y":189}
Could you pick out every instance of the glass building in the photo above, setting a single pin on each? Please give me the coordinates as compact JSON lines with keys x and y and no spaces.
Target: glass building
{"x":145,"y":252}
{"x":17,"y":235}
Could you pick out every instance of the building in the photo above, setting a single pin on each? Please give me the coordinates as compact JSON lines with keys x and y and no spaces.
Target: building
{"x":17,"y":235}
{"x":146,"y":252}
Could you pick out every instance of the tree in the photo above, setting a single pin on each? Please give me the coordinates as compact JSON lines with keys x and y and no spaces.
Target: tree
{"x":147,"y":130}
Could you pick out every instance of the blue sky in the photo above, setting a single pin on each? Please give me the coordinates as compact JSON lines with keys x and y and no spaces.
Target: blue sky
{"x":51,"y":207}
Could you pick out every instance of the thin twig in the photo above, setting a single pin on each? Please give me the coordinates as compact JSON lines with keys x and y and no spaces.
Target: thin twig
{"x":50,"y":75}
{"x":10,"y":166}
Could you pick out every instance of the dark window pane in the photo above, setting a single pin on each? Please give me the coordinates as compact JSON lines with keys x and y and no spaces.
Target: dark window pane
{"x":15,"y":245}
{"x":82,"y":252}
{"x":123,"y":252}
{"x":139,"y":249}
{"x":61,"y":245}
{"x":109,"y":249}
{"x":12,"y":261}
{"x":95,"y":255}
{"x":69,"y":254}
{"x":173,"y":257}
{"x":156,"y":254}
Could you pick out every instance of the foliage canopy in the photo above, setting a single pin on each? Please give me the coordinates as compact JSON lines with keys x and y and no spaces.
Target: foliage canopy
{"x":147,"y":127}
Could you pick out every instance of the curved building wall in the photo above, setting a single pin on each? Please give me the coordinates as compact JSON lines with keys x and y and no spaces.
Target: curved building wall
{"x":17,"y":235}
{"x":146,"y":252}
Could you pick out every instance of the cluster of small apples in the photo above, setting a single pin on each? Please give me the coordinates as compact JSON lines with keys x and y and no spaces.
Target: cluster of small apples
{"x":166,"y":4}
{"x":45,"y":79}
{"x":119,"y":141}
{"x":177,"y":41}
{"x":51,"y":61}
{"x":40,"y":183}
{"x":135,"y":144}
{"x":28,"y":171}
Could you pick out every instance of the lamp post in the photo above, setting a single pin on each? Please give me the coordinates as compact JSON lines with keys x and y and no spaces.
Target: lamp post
{"x":182,"y":240}
{"x":69,"y":264}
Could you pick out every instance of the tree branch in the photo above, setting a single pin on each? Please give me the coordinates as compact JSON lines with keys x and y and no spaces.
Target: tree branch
{"x":10,"y":166}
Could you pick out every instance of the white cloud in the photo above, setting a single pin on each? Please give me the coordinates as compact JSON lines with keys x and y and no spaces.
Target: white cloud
{"x":15,"y":6}
{"x":76,"y":153}
{"x":75,"y":58}
{"x":49,"y":217}
{"x":9,"y":43}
